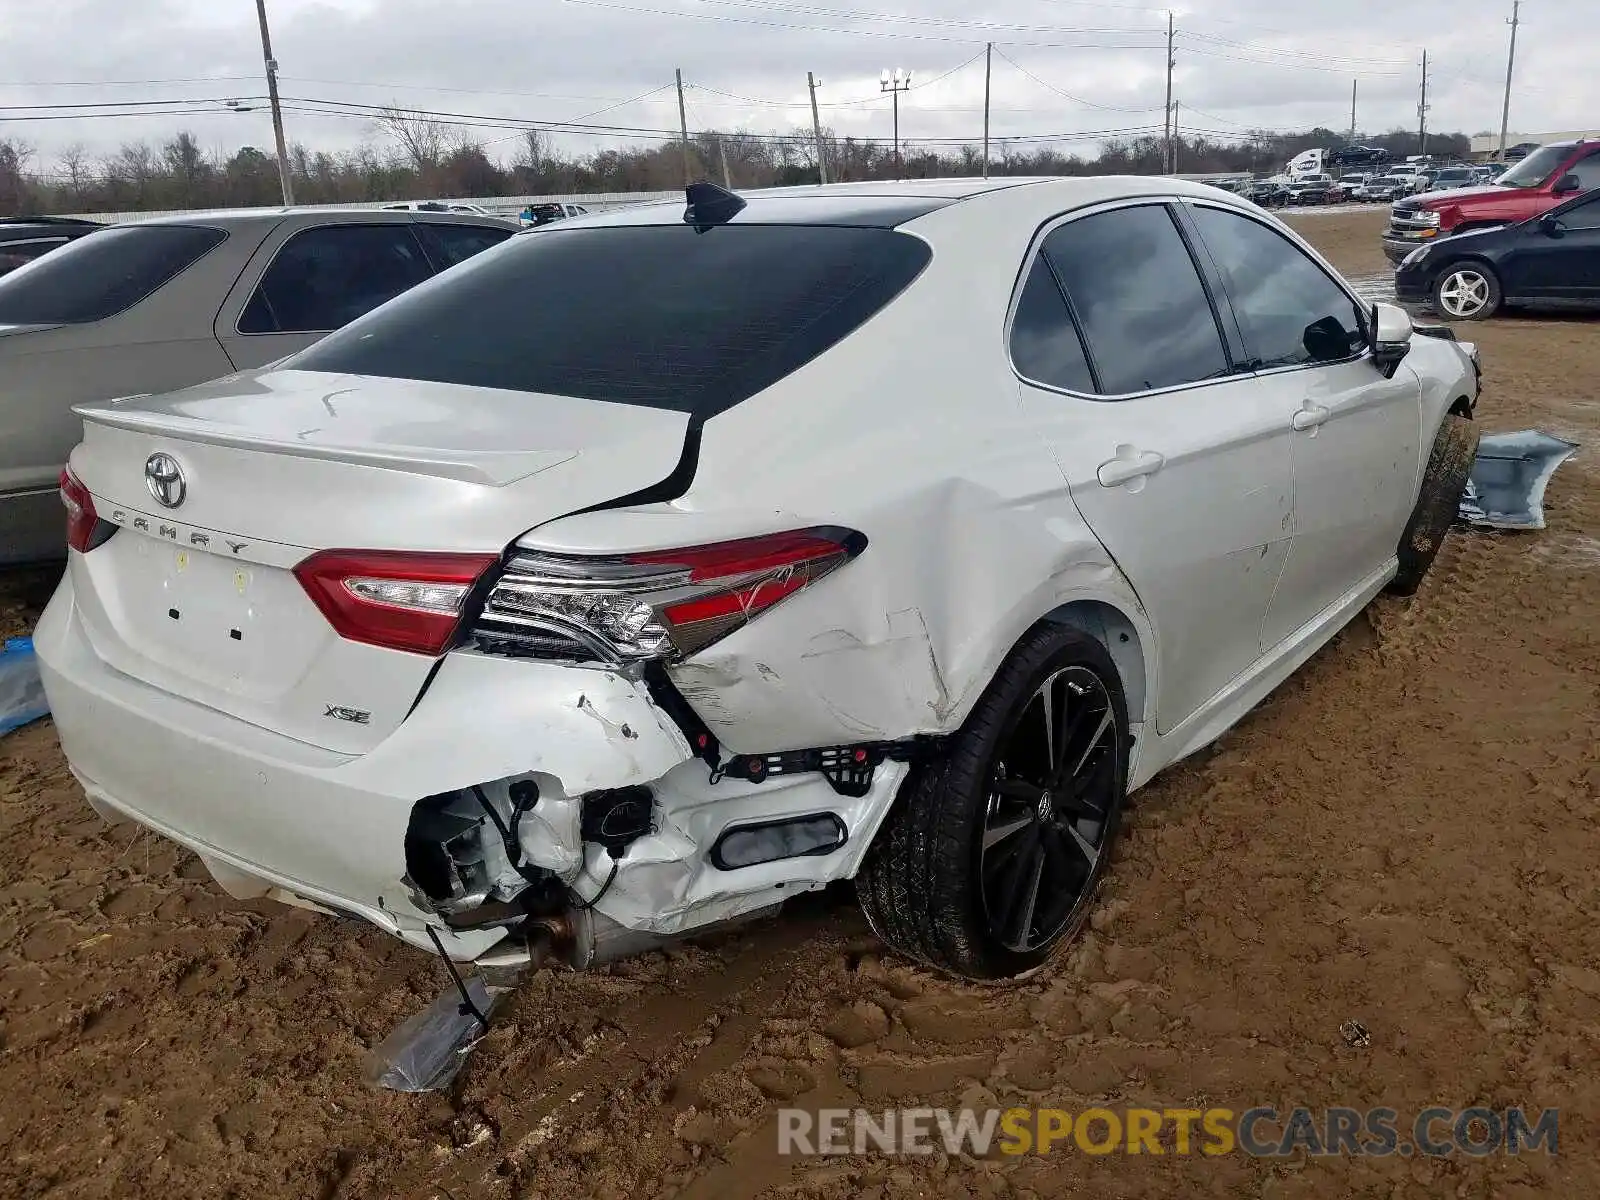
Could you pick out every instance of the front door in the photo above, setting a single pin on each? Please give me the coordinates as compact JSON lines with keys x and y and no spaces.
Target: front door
{"x":1355,"y":433}
{"x":1562,"y":263}
{"x":1179,"y":465}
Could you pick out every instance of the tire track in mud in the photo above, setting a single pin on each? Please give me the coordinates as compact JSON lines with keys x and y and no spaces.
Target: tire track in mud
{"x":655,"y":1054}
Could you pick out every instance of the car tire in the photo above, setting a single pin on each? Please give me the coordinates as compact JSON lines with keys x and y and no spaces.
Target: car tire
{"x":1443,"y":481}
{"x":1466,"y":291}
{"x":1042,"y":844}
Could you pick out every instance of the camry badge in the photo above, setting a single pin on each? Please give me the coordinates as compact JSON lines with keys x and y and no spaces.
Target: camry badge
{"x":164,"y":477}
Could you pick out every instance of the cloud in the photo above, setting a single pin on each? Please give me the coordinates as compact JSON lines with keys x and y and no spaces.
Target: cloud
{"x":1062,"y":67}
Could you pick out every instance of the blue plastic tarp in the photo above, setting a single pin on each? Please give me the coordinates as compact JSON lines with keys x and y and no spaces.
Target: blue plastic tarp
{"x":21,"y":691}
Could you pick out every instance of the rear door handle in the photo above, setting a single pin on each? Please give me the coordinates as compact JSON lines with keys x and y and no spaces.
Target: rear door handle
{"x":1310,"y":416}
{"x":1129,"y":464}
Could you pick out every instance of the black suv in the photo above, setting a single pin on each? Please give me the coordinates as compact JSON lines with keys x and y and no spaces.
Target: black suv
{"x":23,"y":239}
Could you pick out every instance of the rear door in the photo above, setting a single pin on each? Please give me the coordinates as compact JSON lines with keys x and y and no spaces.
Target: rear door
{"x":309,"y":280}
{"x":1354,"y":432}
{"x":1178,"y":463}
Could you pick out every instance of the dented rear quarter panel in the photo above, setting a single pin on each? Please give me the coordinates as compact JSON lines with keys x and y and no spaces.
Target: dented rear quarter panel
{"x":959,"y":562}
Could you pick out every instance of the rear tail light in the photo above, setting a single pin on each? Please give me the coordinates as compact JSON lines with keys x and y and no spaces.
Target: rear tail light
{"x":85,"y":529}
{"x":396,"y":599}
{"x":663,"y":604}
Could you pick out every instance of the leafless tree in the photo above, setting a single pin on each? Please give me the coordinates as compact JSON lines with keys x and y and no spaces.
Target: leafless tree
{"x":75,"y":168}
{"x":423,"y":141}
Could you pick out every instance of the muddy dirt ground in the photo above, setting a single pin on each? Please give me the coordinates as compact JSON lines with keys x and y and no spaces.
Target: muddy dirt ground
{"x":1403,"y":835}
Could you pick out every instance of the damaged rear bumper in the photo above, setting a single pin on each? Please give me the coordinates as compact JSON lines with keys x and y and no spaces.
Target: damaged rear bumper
{"x":273,"y":816}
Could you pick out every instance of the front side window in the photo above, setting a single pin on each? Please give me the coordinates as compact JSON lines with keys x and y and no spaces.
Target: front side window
{"x":1045,"y":346}
{"x":1583,"y":216}
{"x":1139,"y":299}
{"x":325,"y":278}
{"x":1289,"y":311}
{"x":658,"y":316}
{"x":102,"y":274}
{"x":1588,"y":172}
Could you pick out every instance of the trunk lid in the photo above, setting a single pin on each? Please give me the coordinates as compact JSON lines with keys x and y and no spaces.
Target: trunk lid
{"x":199,"y":598}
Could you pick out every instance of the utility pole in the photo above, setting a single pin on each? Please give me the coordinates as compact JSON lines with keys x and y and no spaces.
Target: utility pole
{"x":988,"y":62}
{"x":1422,"y":110}
{"x":895,"y":84}
{"x":1175,"y":142}
{"x":1352,"y":112}
{"x":816,"y":130}
{"x":1166,"y":140}
{"x":277,"y":110}
{"x":683,"y":129}
{"x":1511,"y":59}
{"x":722,"y":153}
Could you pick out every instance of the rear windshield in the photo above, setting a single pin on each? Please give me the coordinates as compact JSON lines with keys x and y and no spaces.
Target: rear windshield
{"x":100,"y":275}
{"x":657,"y":315}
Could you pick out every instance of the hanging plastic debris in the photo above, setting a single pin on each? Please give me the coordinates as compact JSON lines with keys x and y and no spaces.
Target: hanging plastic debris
{"x":21,"y":691}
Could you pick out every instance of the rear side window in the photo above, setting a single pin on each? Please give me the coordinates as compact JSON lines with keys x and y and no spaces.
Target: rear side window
{"x":451,"y":244}
{"x":102,"y":274}
{"x":1139,"y":299}
{"x":15,"y":254}
{"x":324,"y":278}
{"x":1045,"y":346}
{"x":657,"y":315}
{"x":1288,"y":309}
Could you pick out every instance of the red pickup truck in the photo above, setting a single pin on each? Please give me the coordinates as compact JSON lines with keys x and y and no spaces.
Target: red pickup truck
{"x":1543,"y":179}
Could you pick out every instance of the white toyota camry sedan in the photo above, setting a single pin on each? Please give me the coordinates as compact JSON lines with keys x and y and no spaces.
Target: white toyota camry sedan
{"x":889,"y":532}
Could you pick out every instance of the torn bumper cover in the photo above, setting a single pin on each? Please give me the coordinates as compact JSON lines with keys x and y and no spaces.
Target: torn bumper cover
{"x":273,"y":816}
{"x":1509,"y":476}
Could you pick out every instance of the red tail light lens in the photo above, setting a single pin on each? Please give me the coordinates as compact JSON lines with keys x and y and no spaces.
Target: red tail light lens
{"x":396,"y":599}
{"x":85,"y":529}
{"x":659,"y":604}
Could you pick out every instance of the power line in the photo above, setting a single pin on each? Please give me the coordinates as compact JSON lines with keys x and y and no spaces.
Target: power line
{"x":863,"y":102}
{"x":1286,"y":51}
{"x":1068,"y":95}
{"x":919,"y":37}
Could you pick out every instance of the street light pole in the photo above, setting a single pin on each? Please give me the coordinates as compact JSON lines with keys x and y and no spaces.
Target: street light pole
{"x":895,"y":84}
{"x":277,"y":110}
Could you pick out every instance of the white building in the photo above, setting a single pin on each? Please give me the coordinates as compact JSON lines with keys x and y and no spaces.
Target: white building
{"x":1487,"y":145}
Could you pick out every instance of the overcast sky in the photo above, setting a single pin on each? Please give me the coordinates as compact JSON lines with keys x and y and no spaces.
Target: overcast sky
{"x":1061,"y":68}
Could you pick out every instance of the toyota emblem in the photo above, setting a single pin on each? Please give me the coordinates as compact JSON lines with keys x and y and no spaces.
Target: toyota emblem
{"x":164,"y":477}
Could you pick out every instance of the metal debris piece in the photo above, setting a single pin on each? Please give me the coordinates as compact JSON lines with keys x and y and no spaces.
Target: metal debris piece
{"x":1355,"y":1034}
{"x":1506,"y":489}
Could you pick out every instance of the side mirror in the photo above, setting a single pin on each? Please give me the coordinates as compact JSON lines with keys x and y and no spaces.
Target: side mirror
{"x":1391,"y":336}
{"x":1566,"y":185}
{"x":1550,"y":225}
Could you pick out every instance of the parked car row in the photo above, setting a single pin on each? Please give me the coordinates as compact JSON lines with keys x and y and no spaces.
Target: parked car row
{"x":1549,"y":176}
{"x":544,"y":610}
{"x":162,"y":304}
{"x":1547,"y":261}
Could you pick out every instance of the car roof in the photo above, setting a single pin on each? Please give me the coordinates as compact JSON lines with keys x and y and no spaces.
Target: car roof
{"x":243,"y":218}
{"x":888,"y":203}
